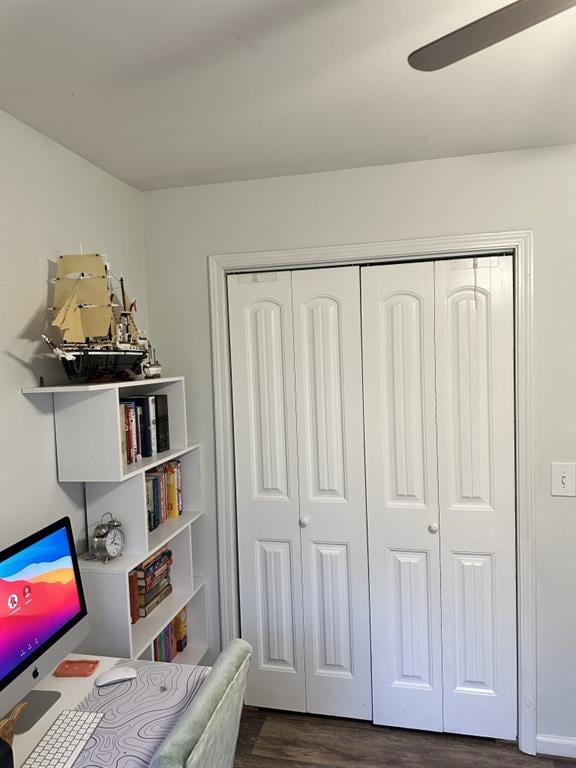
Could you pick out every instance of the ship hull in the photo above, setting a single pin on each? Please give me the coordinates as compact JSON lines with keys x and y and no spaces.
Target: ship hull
{"x":103,"y":365}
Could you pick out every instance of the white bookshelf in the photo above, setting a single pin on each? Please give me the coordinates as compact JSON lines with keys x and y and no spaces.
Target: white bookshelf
{"x":129,"y":495}
{"x":89,"y":450}
{"x":88,"y":428}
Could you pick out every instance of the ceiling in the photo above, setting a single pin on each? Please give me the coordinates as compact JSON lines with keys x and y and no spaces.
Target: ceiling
{"x":165,"y":93}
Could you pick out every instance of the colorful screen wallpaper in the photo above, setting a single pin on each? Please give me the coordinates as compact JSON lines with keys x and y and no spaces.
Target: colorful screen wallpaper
{"x":38,"y":596}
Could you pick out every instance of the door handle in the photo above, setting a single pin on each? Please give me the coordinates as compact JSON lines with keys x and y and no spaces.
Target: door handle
{"x":433,"y":527}
{"x":303,"y":522}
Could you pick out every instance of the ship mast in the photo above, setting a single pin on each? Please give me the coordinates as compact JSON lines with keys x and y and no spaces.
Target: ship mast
{"x":124,"y":307}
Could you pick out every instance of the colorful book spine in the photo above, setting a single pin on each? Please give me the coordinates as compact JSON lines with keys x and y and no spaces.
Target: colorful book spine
{"x":171,"y":490}
{"x":173,"y":638}
{"x":128,"y":429}
{"x":168,"y":644}
{"x":157,"y":498}
{"x":147,"y":610}
{"x":150,"y":503}
{"x":132,"y":431}
{"x":151,"y":579}
{"x":145,"y":597}
{"x":153,"y":562}
{"x":179,"y":486}
{"x":180,"y":630}
{"x":138,"y":428}
{"x":147,"y":423}
{"x":123,"y":430}
{"x":152,"y":558}
{"x":152,"y":413}
{"x":165,"y":496}
{"x":133,"y":591}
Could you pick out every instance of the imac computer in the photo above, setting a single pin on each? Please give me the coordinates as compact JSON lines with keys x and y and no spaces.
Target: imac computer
{"x":42,"y":616}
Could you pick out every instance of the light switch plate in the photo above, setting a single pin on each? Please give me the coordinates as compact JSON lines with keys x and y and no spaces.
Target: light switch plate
{"x":563,"y":479}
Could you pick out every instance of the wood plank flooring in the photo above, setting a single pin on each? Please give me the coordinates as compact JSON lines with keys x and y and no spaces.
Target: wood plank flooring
{"x":271,"y":739}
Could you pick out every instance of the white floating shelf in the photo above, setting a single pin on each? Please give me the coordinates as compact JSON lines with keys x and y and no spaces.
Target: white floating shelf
{"x":100,"y":387}
{"x":131,"y":470}
{"x":160,"y":536}
{"x":90,"y":428}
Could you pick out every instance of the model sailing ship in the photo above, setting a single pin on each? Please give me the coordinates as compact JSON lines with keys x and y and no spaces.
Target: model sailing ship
{"x":100,"y":339}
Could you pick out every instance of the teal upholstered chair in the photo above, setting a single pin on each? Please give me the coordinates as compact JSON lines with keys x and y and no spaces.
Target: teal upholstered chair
{"x":205,"y":735}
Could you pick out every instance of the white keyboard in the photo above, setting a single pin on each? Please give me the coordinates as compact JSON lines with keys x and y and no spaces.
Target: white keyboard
{"x":64,"y":740}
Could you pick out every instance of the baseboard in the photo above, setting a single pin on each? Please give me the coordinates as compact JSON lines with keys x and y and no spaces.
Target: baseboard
{"x":559,"y":746}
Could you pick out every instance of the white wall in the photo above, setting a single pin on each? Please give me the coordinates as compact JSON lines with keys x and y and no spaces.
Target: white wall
{"x":532,"y":189}
{"x":50,"y":201}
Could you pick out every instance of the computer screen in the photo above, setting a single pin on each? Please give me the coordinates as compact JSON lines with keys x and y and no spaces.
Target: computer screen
{"x":41,"y":604}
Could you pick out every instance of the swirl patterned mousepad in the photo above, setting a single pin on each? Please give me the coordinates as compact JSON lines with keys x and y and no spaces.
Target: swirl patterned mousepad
{"x":138,"y":714}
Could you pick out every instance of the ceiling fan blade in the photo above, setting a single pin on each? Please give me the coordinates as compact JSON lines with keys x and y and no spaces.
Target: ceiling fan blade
{"x":484,"y":32}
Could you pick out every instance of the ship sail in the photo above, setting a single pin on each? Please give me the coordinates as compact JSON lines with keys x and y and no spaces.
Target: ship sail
{"x":132,"y":327}
{"x":69,"y":319}
{"x":83,"y":275}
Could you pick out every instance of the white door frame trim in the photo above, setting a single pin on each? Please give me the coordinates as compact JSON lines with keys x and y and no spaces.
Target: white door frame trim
{"x":520,"y":243}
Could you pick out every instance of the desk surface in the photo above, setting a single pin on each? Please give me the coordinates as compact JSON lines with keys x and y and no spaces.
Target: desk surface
{"x":131,"y":730}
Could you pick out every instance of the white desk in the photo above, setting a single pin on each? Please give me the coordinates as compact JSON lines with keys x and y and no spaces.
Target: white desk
{"x":73,"y":690}
{"x":131,"y":730}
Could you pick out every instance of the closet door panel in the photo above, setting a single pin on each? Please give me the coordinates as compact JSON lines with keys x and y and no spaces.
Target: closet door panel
{"x":402,"y":495}
{"x":475,"y":354}
{"x":262,"y":360}
{"x":327,"y":345}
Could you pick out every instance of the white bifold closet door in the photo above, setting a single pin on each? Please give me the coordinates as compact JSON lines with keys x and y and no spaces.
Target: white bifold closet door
{"x":301,"y":511}
{"x":439,"y":418}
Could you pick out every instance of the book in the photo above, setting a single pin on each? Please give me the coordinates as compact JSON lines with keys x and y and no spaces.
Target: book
{"x":168,"y":647}
{"x":138,"y":427}
{"x":147,"y":610}
{"x":147,"y":424}
{"x":133,"y":593}
{"x":128,"y":434}
{"x":152,"y":524}
{"x":138,"y":431}
{"x":123,"y":429}
{"x":146,"y":572}
{"x":173,"y":649}
{"x":144,"y":598}
{"x":160,"y":494}
{"x":164,"y":497}
{"x":145,"y":566}
{"x":180,"y":630}
{"x":156,"y":498}
{"x":152,"y":412}
{"x":147,"y":582}
{"x":132,"y":432}
{"x":171,"y":473}
{"x":162,"y":426}
{"x":179,"y":486}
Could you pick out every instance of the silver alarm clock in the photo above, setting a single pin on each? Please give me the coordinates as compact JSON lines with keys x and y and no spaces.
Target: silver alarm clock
{"x":107,"y":539}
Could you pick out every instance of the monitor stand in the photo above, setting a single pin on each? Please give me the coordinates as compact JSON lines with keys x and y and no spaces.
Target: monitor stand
{"x":39,"y":702}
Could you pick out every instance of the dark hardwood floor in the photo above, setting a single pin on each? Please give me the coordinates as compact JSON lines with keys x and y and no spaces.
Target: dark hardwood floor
{"x":270,"y":739}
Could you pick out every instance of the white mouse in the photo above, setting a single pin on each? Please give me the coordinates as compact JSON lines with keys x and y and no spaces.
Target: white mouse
{"x":115,"y":675}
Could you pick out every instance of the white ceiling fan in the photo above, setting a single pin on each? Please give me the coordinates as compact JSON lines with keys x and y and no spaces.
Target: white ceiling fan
{"x":484,"y":32}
